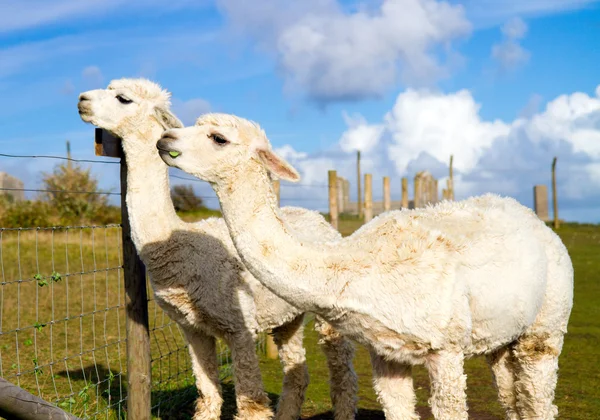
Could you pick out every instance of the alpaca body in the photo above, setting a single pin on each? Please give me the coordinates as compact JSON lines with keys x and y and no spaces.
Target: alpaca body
{"x":471,"y":275}
{"x":198,"y":278}
{"x":429,"y":286}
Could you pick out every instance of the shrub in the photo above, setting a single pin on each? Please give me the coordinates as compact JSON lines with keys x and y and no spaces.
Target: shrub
{"x":185,"y":199}
{"x":25,"y":214}
{"x":74,"y":208}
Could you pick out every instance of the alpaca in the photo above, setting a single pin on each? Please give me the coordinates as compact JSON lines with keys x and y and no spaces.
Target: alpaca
{"x":199,"y":280}
{"x":429,"y":286}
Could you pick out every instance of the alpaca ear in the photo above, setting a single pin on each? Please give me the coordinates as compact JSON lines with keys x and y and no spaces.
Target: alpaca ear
{"x":277,"y":166}
{"x":166,"y":118}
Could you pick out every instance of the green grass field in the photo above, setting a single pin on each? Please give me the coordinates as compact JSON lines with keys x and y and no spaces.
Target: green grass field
{"x":62,"y":332}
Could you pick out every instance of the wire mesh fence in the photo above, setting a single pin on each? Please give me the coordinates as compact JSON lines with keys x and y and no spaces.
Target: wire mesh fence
{"x":63,"y":317}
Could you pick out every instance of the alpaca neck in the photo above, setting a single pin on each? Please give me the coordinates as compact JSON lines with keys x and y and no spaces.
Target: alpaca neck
{"x":268,"y":250}
{"x":151,"y":213}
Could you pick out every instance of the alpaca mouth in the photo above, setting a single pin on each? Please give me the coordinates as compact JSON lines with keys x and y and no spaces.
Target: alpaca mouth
{"x":167,"y":152}
{"x":84,"y":111}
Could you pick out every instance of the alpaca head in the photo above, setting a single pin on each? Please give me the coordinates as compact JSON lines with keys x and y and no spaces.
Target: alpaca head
{"x":127,"y":106}
{"x":220,"y":148}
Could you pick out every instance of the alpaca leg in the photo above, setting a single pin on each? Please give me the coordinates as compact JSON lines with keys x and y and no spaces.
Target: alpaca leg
{"x":252,"y":401}
{"x":295,"y":371}
{"x":448,"y":385}
{"x":393,"y":384}
{"x":537,"y":358}
{"x":343,"y":381}
{"x":203,"y":354}
{"x":503,"y":367}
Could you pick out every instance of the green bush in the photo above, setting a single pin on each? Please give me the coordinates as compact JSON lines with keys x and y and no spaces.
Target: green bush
{"x":25,"y":214}
{"x":185,"y":199}
{"x":74,"y":208}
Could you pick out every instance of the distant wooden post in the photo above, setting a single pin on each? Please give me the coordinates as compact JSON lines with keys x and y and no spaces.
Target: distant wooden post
{"x":16,"y":403}
{"x":387,"y":199}
{"x":404,"y":193}
{"x":540,"y":202}
{"x":418,"y":192}
{"x":554,"y":197}
{"x":276,"y":188}
{"x":436,"y":193}
{"x":333,"y":207}
{"x":69,"y":162}
{"x":368,"y":198}
{"x":139,"y":381}
{"x":346,"y":195}
{"x":451,"y":179}
{"x":444,"y":194}
{"x":340,"y":194}
{"x":359,"y":201}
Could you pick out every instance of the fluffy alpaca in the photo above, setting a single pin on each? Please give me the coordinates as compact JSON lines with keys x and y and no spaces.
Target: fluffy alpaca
{"x":197,"y":276}
{"x":431,"y":286}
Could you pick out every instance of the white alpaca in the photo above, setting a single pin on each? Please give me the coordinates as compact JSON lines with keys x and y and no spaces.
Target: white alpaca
{"x":432,"y":286}
{"x":197,"y":276}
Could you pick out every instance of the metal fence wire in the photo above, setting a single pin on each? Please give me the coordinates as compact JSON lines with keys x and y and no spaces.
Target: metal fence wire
{"x":63,"y":316}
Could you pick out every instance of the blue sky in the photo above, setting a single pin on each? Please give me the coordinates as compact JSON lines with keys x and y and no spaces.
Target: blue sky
{"x":503,"y":85}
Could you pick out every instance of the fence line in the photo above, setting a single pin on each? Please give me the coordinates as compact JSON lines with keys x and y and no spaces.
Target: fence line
{"x":86,"y":320}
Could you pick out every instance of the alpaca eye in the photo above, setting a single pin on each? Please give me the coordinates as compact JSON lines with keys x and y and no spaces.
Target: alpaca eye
{"x":219,"y":140}
{"x":123,"y":99}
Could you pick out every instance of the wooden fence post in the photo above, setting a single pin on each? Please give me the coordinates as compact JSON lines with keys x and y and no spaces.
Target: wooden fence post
{"x":346,"y":195}
{"x":139,"y":381}
{"x":333,"y":207}
{"x":554,"y":197}
{"x":340,"y":183}
{"x":418,"y":192}
{"x":368,"y":198}
{"x":359,"y":201}
{"x":270,"y":346}
{"x":387,"y":200}
{"x":404,"y":193}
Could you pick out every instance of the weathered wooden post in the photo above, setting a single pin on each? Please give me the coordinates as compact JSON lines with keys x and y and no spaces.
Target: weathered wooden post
{"x":418,"y":192}
{"x":136,"y":299}
{"x":554,"y":197}
{"x":387,"y":199}
{"x":540,"y":202}
{"x":333,"y":207}
{"x":436,"y":191}
{"x":404,"y":193}
{"x":368,"y":198}
{"x":340,"y":183}
{"x":359,"y":201}
{"x":18,"y":404}
{"x":346,"y":195}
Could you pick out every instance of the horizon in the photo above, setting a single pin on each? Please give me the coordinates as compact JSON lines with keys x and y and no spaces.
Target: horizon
{"x":502,"y":86}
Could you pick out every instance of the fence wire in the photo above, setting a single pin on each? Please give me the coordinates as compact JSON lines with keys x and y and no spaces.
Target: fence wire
{"x":62,"y":320}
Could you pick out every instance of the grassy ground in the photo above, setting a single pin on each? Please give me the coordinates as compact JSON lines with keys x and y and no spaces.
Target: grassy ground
{"x":62,"y":334}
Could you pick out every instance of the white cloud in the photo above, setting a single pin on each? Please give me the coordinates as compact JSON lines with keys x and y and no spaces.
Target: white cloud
{"x":332,"y":54}
{"x":424,"y":128}
{"x":360,"y":135}
{"x":510,"y":53}
{"x":189,"y":111}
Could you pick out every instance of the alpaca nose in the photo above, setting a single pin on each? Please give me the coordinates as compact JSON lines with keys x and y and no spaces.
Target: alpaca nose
{"x":84,"y":97}
{"x":168,"y":136}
